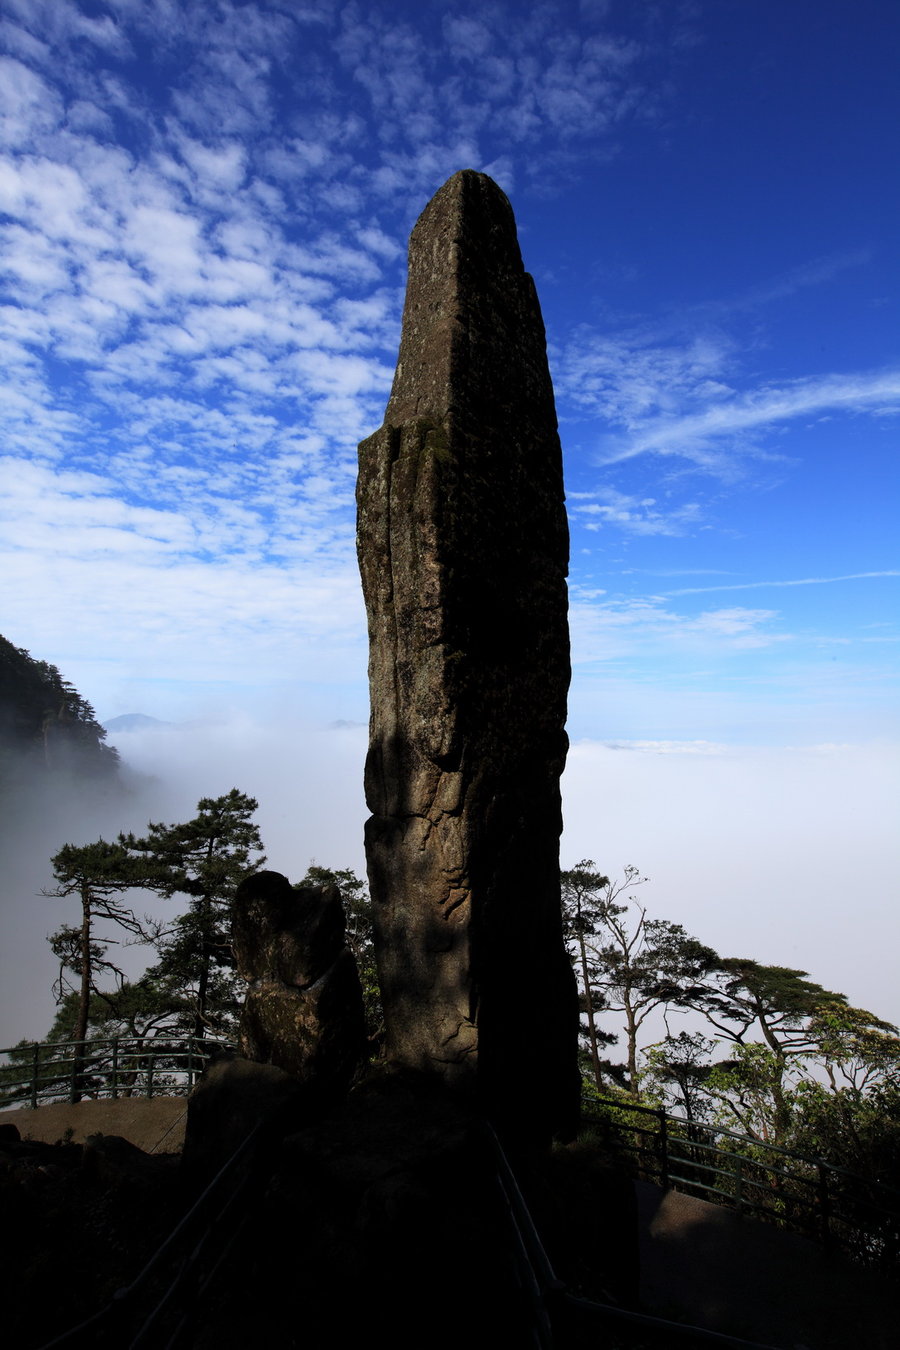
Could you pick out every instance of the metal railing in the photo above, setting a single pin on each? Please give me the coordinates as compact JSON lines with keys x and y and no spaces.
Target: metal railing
{"x":560,"y":1318}
{"x":838,"y":1208}
{"x":117,"y":1066}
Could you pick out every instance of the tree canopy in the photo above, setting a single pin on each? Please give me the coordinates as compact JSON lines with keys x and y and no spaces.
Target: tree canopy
{"x":788,"y":1062}
{"x":204,"y":859}
{"x":98,"y":874}
{"x":629,"y":964}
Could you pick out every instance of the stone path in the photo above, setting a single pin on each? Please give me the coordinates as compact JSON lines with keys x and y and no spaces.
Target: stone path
{"x":701,"y":1263}
{"x":155,"y":1125}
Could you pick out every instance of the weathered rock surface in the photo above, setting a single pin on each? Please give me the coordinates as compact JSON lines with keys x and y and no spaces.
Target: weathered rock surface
{"x":463,"y":550}
{"x":303,"y":1011}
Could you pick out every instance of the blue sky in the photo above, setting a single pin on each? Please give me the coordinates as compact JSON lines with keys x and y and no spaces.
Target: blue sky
{"x":205,"y":209}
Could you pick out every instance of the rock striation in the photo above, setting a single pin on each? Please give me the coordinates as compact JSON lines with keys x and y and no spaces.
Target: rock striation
{"x":463,"y":551}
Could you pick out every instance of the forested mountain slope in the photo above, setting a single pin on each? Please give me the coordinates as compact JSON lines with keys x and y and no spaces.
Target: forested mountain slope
{"x":45,"y":724}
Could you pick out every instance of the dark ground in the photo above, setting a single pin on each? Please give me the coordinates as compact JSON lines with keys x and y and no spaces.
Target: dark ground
{"x":381,"y":1222}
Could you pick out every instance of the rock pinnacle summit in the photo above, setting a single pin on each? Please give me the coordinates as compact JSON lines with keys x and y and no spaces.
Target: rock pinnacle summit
{"x":463,"y":552}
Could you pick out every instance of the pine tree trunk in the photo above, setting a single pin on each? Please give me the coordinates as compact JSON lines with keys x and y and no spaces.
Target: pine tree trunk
{"x":589,"y":1005}
{"x":205,"y":961}
{"x":632,"y":1052}
{"x":202,"y":987}
{"x":84,"y":994}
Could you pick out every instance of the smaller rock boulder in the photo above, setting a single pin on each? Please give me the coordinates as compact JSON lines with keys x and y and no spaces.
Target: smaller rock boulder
{"x":231,"y":1099}
{"x":304,"y":1008}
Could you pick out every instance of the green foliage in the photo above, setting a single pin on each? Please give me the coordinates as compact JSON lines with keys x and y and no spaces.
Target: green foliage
{"x":206,"y":859}
{"x":629,"y":965}
{"x":851,"y":1115}
{"x":858,"y":1131}
{"x":148,"y":1006}
{"x":98,"y":874}
{"x":752,"y":1092}
{"x":675,"y":1074}
{"x":193,"y":986}
{"x":23,"y":1060}
{"x":780,"y":1001}
{"x":858,"y":1051}
{"x":822,"y":1101}
{"x":583,"y":891}
{"x":796,"y":1019}
{"x":792,"y":1063}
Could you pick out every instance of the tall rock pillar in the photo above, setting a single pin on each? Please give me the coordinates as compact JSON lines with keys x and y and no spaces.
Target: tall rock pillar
{"x":463,"y":550}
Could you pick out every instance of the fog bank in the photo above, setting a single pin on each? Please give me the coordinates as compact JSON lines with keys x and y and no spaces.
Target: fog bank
{"x":788,"y":855}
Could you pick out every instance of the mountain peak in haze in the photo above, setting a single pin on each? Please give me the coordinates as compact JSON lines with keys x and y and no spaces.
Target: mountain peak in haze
{"x":135,"y":722}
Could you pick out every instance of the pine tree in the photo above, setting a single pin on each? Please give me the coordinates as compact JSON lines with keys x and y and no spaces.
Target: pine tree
{"x":628,"y":965}
{"x":98,"y":874}
{"x":583,"y":891}
{"x":205,"y":859}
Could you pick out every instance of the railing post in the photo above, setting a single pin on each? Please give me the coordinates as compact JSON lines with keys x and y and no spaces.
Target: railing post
{"x":738,"y":1182}
{"x":77,"y":1071}
{"x":663,"y":1150}
{"x":35,"y":1069}
{"x":151,"y":1060}
{"x":115,"y":1067}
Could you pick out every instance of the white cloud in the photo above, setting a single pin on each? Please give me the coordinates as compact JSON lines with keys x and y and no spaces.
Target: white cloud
{"x":814,"y":273}
{"x":698,"y":435}
{"x":749,"y":848}
{"x":629,"y":380}
{"x":203,"y":318}
{"x":608,"y":629}
{"x":799,"y":581}
{"x":663,"y":747}
{"x":28,"y":106}
{"x":22,"y":43}
{"x":308,"y":782}
{"x":677,"y":387}
{"x":466,"y":37}
{"x":633,"y":514}
{"x":740,"y":625}
{"x":221,"y":167}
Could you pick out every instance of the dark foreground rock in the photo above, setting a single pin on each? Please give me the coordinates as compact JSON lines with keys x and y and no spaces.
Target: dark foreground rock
{"x":379,"y":1224}
{"x":383,"y":1223}
{"x":232,"y":1098}
{"x":79,"y":1221}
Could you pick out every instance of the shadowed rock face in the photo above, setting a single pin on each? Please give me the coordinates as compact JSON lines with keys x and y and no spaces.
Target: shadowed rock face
{"x":303,"y":1011}
{"x":463,"y":550}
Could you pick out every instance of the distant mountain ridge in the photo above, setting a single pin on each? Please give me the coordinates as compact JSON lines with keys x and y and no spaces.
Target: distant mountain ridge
{"x":136,"y":722}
